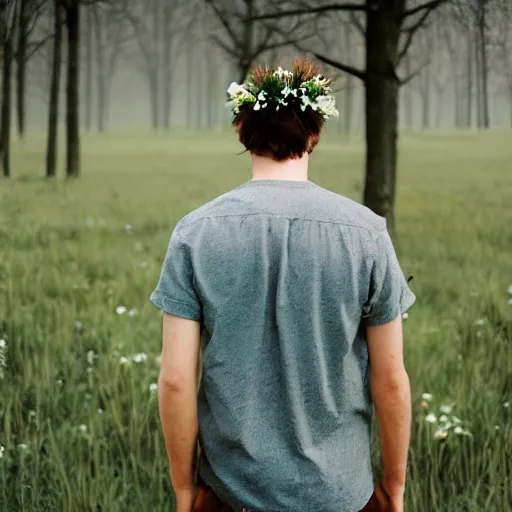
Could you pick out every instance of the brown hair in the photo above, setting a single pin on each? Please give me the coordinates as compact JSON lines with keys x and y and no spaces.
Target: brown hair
{"x":285,"y":133}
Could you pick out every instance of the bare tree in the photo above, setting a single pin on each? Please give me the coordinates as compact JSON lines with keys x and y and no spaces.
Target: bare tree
{"x":244,"y":39}
{"x":7,"y":30}
{"x":53,"y":106}
{"x":389,"y":28}
{"x":159,"y":30}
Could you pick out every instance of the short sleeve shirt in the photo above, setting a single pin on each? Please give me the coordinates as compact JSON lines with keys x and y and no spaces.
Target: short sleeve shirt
{"x":284,"y":276}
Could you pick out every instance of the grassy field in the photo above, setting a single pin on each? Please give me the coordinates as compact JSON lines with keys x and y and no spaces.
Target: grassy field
{"x":79,"y":421}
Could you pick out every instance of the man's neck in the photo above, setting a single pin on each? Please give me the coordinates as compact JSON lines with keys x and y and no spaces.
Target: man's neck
{"x":264,"y":168}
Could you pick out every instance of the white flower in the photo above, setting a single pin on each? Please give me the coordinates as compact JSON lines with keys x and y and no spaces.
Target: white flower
{"x":100,"y":411}
{"x":510,"y":290}
{"x":78,"y":325}
{"x":510,"y":302}
{"x":23,"y":446}
{"x":123,"y":360}
{"x":446,"y":409}
{"x":427,"y":396}
{"x":443,"y":418}
{"x":3,"y":344}
{"x":2,"y":450}
{"x":132,"y":313}
{"x":82,"y":428}
{"x":128,"y":229}
{"x":458,"y":430}
{"x":153,"y":387}
{"x":233,"y":89}
{"x":480,"y":321}
{"x":506,"y":405}
{"x":91,"y":356}
{"x":440,"y":434}
{"x":497,"y":427}
{"x":139,"y":358}
{"x":257,"y":105}
{"x":261,"y":96}
{"x":327,"y":105}
{"x":60,"y":382}
{"x":120,"y":310}
{"x":431,"y":418}
{"x":456,"y":420}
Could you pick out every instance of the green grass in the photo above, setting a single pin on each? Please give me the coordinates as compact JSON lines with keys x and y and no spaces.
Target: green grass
{"x":65,"y":256}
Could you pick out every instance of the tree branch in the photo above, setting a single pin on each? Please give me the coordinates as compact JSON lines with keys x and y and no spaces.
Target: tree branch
{"x":358,"y":73}
{"x":429,"y":6}
{"x":224,"y":21}
{"x":218,"y":41}
{"x":347,"y":6}
{"x":411,"y":31}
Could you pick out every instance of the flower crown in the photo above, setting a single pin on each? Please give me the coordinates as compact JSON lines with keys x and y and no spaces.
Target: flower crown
{"x":279,"y":88}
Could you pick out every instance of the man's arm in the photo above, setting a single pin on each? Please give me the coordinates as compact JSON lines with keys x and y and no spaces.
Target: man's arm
{"x":391,"y":395}
{"x":177,"y":398}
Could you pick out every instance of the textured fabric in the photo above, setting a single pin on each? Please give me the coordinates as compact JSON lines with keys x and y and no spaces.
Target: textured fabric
{"x":283,"y":276}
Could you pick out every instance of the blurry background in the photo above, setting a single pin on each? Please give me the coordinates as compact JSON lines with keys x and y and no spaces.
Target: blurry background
{"x":113,"y":126}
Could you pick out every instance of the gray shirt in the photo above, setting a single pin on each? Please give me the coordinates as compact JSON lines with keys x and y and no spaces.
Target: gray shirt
{"x":283,"y":276}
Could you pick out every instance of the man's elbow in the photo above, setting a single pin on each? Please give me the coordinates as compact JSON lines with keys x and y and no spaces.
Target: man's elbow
{"x":171,"y":382}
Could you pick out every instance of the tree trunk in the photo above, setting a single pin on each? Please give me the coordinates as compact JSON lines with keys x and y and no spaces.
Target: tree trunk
{"x":198,"y":86}
{"x":153,"y":96}
{"x":348,"y":93}
{"x":408,"y":96}
{"x":190,"y":81}
{"x":167,"y":70}
{"x":101,"y":75}
{"x":382,"y":94}
{"x":5,"y":129}
{"x":469,"y":98}
{"x":21,"y":89}
{"x":88,"y":69}
{"x":478,"y":72}
{"x":483,"y":69}
{"x":73,"y":85}
{"x":425,"y":97}
{"x":53,"y":110}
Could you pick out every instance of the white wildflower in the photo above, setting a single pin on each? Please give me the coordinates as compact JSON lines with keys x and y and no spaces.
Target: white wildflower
{"x":510,"y":290}
{"x":128,"y":229}
{"x":456,"y":420}
{"x":405,"y":316}
{"x":261,"y":95}
{"x":480,"y":321}
{"x":257,"y":105}
{"x":91,"y":356}
{"x":139,"y":358}
{"x":440,"y":434}
{"x":153,"y":387}
{"x":23,"y":446}
{"x":100,"y":411}
{"x":3,"y":344}
{"x":82,"y":428}
{"x":2,"y":450}
{"x":443,"y":418}
{"x":446,"y":409}
{"x":121,"y":310}
{"x":497,"y":427}
{"x":123,"y":360}
{"x":458,"y":430}
{"x":60,"y":382}
{"x":431,"y":418}
{"x":133,"y":312}
{"x":506,"y":405}
{"x":427,"y":396}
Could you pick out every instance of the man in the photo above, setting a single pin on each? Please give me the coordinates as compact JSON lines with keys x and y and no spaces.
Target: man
{"x":299,"y":296}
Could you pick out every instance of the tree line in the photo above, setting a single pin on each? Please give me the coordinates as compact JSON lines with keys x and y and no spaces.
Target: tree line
{"x":419,"y":46}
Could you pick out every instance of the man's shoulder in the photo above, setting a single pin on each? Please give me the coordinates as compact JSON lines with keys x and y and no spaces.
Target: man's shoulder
{"x":344,"y":210}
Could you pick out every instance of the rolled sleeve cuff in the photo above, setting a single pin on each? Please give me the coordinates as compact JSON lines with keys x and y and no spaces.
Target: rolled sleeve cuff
{"x":406,"y":301}
{"x":175,"y":307}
